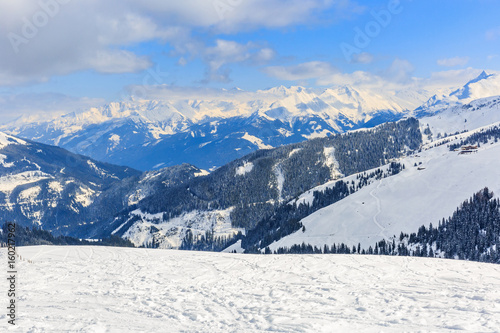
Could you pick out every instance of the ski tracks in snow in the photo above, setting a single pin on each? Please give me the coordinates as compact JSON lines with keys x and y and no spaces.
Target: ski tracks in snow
{"x":99,"y":289}
{"x":379,"y":210}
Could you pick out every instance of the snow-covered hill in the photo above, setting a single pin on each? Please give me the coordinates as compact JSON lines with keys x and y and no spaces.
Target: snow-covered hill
{"x":435,"y":182}
{"x":104,"y":289}
{"x":66,"y":193}
{"x":475,"y":114}
{"x":49,"y":186}
{"x":214,"y":128}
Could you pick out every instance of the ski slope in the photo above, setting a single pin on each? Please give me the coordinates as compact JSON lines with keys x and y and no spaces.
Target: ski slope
{"x":404,"y":202}
{"x":105,"y":289}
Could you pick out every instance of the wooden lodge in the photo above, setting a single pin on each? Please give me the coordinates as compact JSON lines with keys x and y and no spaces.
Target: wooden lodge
{"x":465,"y":150}
{"x":468,"y":148}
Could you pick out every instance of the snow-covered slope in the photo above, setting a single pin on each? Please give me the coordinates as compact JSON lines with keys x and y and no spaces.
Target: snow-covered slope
{"x":417,"y":196}
{"x":189,"y":129}
{"x":475,"y":114}
{"x":6,"y":140}
{"x":169,"y":234}
{"x":104,"y":289}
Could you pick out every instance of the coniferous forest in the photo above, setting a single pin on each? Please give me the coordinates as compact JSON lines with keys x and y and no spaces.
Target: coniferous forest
{"x":25,"y":236}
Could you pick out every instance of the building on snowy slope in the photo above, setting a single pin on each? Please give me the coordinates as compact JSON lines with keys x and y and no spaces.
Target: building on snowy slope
{"x":477,"y":139}
{"x":465,"y":150}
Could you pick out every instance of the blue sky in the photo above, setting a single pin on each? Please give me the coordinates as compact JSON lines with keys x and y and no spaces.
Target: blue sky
{"x":60,"y":55}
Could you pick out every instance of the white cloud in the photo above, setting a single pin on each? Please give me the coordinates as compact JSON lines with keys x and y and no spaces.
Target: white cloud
{"x":400,"y":71}
{"x":362,"y":58}
{"x":436,"y":80}
{"x":304,"y":71}
{"x":226,"y":52}
{"x":397,"y":76}
{"x":452,"y":62}
{"x":41,"y":106}
{"x":119,"y":61}
{"x":56,"y":37}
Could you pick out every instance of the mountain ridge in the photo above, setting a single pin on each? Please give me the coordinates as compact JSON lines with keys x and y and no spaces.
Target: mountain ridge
{"x":287,"y":115}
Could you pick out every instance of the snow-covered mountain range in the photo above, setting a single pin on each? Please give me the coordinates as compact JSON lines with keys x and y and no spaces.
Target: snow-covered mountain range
{"x":267,"y":195}
{"x":484,"y":85}
{"x":432,"y":190}
{"x":215,"y":128}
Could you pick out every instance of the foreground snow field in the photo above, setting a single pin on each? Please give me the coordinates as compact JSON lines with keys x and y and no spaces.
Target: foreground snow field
{"x":99,"y":289}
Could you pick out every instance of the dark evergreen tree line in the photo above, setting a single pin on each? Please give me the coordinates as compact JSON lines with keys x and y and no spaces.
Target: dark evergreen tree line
{"x":483,"y":137}
{"x":25,"y":236}
{"x":208,"y":241}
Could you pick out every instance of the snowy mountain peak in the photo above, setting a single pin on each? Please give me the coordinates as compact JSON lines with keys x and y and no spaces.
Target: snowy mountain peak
{"x":284,"y":91}
{"x":484,"y":85}
{"x":478,"y":87}
{"x":482,"y":76}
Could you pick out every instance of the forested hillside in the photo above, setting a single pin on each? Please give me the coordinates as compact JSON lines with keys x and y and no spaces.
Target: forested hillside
{"x":259,"y":185}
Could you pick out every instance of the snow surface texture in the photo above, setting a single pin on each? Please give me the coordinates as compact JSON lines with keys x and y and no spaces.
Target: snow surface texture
{"x":244,"y":169}
{"x":10,"y":182}
{"x":104,"y":289}
{"x":256,"y":141}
